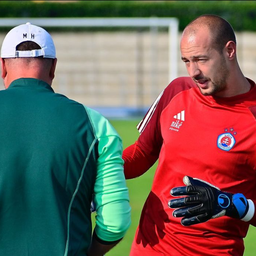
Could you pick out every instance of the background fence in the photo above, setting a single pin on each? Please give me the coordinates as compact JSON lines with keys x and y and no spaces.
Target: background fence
{"x":121,"y":72}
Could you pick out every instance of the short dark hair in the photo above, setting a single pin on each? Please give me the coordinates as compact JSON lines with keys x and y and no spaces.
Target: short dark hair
{"x":221,"y":30}
{"x":28,"y":46}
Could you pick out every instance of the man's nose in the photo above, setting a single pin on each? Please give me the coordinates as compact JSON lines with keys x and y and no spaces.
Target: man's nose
{"x":194,"y":70}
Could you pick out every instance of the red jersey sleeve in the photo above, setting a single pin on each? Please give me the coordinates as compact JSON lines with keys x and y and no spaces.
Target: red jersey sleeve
{"x":135,"y":161}
{"x":140,"y":156}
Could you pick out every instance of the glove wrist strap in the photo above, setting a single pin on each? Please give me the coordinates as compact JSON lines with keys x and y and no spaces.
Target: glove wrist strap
{"x":250,"y":212}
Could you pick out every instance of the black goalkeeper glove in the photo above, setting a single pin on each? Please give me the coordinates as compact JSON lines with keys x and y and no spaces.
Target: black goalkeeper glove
{"x":204,"y":201}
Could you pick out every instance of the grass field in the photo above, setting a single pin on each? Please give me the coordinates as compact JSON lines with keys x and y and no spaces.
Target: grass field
{"x":139,"y":189}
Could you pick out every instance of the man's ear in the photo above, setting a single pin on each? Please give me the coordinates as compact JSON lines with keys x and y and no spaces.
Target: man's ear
{"x":53,"y":68}
{"x":3,"y":68}
{"x":231,"y":49}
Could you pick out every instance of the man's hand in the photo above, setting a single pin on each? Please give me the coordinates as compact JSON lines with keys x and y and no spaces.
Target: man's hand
{"x":204,"y":201}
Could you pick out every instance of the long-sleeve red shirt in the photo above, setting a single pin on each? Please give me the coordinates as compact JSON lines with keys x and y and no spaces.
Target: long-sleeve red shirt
{"x":205,"y":137}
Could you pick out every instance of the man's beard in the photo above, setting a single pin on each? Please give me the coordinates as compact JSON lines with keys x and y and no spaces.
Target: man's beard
{"x":217,"y":85}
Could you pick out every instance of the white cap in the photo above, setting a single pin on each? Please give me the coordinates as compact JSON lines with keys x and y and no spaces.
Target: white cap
{"x":28,"y":32}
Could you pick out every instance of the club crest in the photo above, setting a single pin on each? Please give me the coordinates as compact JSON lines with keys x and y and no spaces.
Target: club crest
{"x":226,"y":141}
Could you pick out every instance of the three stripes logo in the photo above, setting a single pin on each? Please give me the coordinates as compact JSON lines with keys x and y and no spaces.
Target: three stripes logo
{"x":177,"y":123}
{"x":180,"y":116}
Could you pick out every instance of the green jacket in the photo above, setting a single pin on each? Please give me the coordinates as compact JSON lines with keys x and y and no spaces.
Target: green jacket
{"x":55,"y":154}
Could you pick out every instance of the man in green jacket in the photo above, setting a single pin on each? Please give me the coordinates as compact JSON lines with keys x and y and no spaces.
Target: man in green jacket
{"x":56,"y":157}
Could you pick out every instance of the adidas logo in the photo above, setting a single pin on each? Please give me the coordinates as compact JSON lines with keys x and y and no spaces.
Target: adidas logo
{"x":180,"y":118}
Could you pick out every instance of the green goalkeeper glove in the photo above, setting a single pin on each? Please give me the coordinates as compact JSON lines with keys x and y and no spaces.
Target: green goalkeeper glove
{"x":204,"y":201}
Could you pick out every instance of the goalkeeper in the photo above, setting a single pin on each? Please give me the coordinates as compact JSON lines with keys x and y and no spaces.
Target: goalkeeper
{"x":201,"y":127}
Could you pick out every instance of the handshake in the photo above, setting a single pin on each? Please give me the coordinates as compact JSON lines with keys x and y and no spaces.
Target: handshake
{"x":203,"y":201}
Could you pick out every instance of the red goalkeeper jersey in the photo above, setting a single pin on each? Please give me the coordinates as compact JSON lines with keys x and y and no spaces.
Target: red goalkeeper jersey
{"x":204,"y":137}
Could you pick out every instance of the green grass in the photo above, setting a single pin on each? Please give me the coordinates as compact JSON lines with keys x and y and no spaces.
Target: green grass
{"x":139,"y":189}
